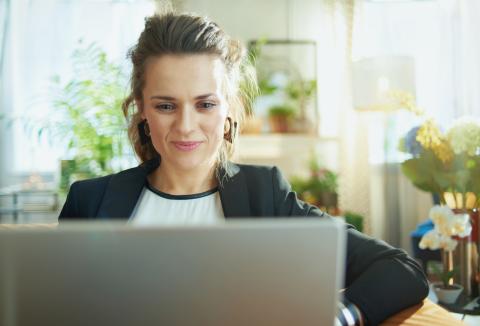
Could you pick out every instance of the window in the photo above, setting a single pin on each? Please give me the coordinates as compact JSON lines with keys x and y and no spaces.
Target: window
{"x":42,"y":36}
{"x":437,"y":35}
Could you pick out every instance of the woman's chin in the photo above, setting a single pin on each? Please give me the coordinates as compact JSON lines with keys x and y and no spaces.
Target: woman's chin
{"x":188,"y":164}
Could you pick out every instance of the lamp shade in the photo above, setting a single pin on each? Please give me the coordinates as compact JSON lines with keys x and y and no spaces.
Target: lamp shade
{"x":379,"y":82}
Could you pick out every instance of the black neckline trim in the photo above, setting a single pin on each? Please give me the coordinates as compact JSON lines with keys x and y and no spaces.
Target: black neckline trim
{"x":181,"y":197}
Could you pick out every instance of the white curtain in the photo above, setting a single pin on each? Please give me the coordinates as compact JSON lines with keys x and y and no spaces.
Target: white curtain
{"x":464,"y":17}
{"x":338,"y":119}
{"x":4,"y":24}
{"x":441,"y":36}
{"x":4,"y":10}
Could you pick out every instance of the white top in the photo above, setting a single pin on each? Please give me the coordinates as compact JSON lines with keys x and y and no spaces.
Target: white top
{"x":158,"y":208}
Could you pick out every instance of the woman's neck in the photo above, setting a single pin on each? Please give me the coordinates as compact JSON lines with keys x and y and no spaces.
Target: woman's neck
{"x":173,"y":181}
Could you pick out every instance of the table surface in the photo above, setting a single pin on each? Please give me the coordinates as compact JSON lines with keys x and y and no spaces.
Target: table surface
{"x":426,"y":313}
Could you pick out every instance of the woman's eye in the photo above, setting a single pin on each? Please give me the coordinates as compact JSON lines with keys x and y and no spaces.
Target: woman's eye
{"x":164,"y":107}
{"x":207,"y":105}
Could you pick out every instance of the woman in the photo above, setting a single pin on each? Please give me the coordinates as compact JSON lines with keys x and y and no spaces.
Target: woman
{"x":183,"y":111}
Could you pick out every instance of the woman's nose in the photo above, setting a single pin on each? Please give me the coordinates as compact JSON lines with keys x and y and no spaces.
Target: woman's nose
{"x":185,"y":120}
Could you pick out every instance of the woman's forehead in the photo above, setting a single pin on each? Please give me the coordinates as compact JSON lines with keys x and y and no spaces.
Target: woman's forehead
{"x":177,"y":75}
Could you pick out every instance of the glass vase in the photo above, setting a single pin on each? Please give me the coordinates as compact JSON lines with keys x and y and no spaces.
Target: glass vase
{"x":465,"y":257}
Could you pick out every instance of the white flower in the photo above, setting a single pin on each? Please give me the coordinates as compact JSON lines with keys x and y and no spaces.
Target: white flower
{"x":464,"y":136}
{"x":447,"y":224}
{"x":430,"y":240}
{"x":442,"y":217}
{"x":461,"y":225}
{"x":447,"y":243}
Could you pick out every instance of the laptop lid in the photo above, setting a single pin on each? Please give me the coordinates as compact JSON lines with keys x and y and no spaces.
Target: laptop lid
{"x":243,"y":272}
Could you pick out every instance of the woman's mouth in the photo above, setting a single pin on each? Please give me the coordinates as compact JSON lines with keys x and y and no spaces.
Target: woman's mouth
{"x":186,"y":146}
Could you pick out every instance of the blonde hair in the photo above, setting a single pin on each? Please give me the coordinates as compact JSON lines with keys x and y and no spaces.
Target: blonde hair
{"x":172,"y":33}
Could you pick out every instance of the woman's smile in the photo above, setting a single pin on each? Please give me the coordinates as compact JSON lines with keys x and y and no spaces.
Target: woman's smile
{"x":186,"y":146}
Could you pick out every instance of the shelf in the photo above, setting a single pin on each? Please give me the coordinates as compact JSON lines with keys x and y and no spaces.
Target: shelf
{"x":291,"y":152}
{"x":274,"y":145}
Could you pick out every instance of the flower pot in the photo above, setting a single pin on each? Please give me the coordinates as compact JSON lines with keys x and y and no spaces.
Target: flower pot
{"x":447,"y":295}
{"x":279,"y":123}
{"x":328,"y":199}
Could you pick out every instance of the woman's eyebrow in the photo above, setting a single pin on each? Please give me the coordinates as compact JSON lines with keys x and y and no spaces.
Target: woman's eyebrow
{"x":160,"y":97}
{"x":169,"y":98}
{"x":201,"y":97}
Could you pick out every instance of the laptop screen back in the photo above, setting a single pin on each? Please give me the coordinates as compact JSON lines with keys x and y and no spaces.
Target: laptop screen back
{"x":245,"y":272}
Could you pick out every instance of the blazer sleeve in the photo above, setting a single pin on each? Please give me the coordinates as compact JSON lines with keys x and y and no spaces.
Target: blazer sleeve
{"x":380,"y":279}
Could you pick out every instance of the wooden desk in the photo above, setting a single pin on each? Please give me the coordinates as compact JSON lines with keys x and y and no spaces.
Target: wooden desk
{"x":426,"y":313}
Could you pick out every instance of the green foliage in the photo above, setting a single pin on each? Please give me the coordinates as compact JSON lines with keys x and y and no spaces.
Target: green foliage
{"x":86,"y":115}
{"x":297,"y":92}
{"x":440,"y":167}
{"x":430,"y":174}
{"x":354,"y":219}
{"x":425,"y":172}
{"x":87,"y":110}
{"x":321,"y":181}
{"x":282,"y":110}
{"x":444,"y":275}
{"x":301,"y":90}
{"x":266,"y":87}
{"x":299,"y":185}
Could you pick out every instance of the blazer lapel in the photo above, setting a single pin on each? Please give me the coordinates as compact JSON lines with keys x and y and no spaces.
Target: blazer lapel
{"x":123,"y":191}
{"x":234,"y":193}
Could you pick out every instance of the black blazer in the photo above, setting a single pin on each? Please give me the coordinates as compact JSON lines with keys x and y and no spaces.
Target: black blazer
{"x":379,"y":279}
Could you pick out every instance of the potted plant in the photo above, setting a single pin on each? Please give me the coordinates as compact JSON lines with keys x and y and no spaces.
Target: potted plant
{"x":447,"y":164}
{"x":281,"y":84}
{"x":290,"y":117}
{"x":446,"y":292}
{"x":448,"y":229}
{"x":280,"y":118}
{"x":299,"y":92}
{"x":320,"y":188}
{"x":86,"y":117}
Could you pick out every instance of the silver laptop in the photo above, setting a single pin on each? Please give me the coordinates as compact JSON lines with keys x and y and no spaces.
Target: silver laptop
{"x":245,"y":272}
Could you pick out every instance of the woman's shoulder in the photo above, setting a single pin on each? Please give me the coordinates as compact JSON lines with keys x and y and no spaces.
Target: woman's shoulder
{"x":253,"y":169}
{"x":88,"y":185}
{"x":261,"y":177}
{"x":85,"y":196}
{"x":259,"y":172}
{"x":97,"y":184}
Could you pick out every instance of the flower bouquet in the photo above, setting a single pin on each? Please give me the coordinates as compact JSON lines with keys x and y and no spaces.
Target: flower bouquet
{"x":446,"y":164}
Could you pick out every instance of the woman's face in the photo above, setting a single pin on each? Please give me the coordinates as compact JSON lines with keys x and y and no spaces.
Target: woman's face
{"x":185,"y":107}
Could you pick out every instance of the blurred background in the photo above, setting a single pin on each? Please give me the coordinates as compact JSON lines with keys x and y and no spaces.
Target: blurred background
{"x":342,"y":82}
